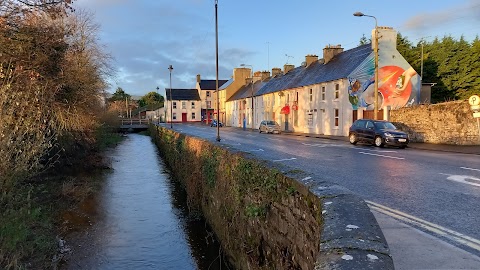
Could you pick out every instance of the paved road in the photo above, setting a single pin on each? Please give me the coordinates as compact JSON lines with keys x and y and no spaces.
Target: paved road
{"x":437,"y":192}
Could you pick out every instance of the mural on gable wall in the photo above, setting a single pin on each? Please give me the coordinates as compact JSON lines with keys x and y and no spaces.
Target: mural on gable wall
{"x":398,"y":83}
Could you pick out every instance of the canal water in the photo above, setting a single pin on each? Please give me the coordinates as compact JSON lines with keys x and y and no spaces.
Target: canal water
{"x":141,"y":220}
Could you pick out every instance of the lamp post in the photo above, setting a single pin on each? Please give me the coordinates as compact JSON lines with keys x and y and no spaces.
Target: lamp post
{"x":170,"y":68}
{"x":375,"y":50}
{"x":216,"y":70}
{"x":252,"y":108}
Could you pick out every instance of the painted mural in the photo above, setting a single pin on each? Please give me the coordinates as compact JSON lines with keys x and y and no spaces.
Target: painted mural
{"x":398,"y":84}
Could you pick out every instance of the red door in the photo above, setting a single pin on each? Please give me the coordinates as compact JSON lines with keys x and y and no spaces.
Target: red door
{"x":184,"y":117}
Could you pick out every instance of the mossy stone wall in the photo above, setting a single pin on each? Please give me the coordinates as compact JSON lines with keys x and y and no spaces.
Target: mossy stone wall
{"x":263,"y":219}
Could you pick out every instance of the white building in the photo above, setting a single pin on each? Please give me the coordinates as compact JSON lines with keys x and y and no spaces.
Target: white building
{"x":182,"y":105}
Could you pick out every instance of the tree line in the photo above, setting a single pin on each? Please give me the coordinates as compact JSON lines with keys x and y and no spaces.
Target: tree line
{"x":52,"y":81}
{"x":452,"y":64}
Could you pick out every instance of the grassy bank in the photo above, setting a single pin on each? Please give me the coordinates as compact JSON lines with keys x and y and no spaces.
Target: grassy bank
{"x":30,"y":213}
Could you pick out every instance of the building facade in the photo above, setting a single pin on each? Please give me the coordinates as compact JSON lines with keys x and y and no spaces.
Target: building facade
{"x":182,"y":105}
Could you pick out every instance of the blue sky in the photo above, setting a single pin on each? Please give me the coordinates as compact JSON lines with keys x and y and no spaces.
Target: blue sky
{"x":146,"y":36}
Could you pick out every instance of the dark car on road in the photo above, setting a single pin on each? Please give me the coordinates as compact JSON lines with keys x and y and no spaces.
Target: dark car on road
{"x":377,"y":132}
{"x":214,"y":123}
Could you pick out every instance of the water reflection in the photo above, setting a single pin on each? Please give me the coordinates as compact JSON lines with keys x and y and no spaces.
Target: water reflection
{"x":143,"y":220}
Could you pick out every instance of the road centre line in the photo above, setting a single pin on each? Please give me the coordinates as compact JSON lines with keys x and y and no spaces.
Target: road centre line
{"x":256,"y":150}
{"x":372,"y":154}
{"x":471,"y":169}
{"x":431,"y":227}
{"x":286,"y":159}
{"x":373,"y":150}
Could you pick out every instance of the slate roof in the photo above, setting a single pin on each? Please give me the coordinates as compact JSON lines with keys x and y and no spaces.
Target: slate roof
{"x":182,"y":94}
{"x":339,"y":67}
{"x":246,"y":90}
{"x":211,"y":84}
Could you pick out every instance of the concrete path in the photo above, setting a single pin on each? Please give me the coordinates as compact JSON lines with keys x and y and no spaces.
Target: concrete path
{"x":413,"y":249}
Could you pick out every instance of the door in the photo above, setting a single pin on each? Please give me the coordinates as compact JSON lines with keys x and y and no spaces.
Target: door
{"x":184,"y":117}
{"x":369,"y":131}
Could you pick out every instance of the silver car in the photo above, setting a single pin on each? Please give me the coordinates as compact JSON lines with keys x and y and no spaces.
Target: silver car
{"x":269,"y":126}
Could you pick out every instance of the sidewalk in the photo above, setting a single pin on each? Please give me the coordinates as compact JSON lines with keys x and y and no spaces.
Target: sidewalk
{"x":463,"y":149}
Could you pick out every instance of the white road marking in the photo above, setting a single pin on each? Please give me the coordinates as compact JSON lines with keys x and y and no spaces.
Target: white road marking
{"x":465,"y":179}
{"x":471,"y":169}
{"x":274,"y":139}
{"x":256,"y":150}
{"x":309,"y":144}
{"x":373,"y":150}
{"x":377,"y":155}
{"x":323,"y":145}
{"x":434,"y":228}
{"x":286,"y":159}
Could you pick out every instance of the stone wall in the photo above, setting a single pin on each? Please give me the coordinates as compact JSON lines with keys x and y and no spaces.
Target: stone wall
{"x":265,"y":217}
{"x":443,"y":123}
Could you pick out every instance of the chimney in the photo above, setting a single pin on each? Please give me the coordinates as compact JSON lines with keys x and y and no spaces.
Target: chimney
{"x":198,"y":78}
{"x":311,"y":58}
{"x":276,"y":71}
{"x":265,"y":75}
{"x":387,"y":38}
{"x":330,"y":51}
{"x":240,"y":74}
{"x":287,"y":68}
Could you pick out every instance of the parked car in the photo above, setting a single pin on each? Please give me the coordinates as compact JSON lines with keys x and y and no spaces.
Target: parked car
{"x":377,"y":132}
{"x":214,"y":123}
{"x":269,"y":126}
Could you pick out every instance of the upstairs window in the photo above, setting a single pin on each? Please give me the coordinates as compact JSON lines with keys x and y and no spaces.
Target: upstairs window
{"x":310,"y":94}
{"x":174,"y":105}
{"x":184,"y":105}
{"x":193,"y":105}
{"x":208,"y":93}
{"x":337,"y":91}
{"x":323,"y":93}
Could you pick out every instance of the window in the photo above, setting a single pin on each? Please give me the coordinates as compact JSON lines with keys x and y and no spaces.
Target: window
{"x":336,"y":114}
{"x":209,"y":104}
{"x":174,"y":105}
{"x":193,"y":115}
{"x":174,"y":116}
{"x":323,"y":92}
{"x":193,"y":105}
{"x":337,"y":91}
{"x":310,"y":94}
{"x":208,"y":93}
{"x":310,"y":119}
{"x":184,"y":105}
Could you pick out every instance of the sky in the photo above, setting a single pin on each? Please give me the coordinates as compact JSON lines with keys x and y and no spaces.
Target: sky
{"x":146,"y":36}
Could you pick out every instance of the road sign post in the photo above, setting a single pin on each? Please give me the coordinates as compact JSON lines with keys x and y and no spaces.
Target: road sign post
{"x":474,"y":102}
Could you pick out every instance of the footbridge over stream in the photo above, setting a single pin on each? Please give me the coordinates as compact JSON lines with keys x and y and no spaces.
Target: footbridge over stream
{"x":134,"y":124}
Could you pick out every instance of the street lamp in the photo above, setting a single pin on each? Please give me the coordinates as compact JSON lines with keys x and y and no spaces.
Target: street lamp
{"x":375,"y":50}
{"x":244,"y":65}
{"x":170,"y":68}
{"x":157,"y":111}
{"x":216,"y":69}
